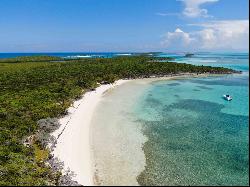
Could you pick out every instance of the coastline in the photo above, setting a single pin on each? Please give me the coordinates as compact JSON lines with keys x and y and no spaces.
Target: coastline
{"x":73,"y":137}
{"x":73,"y":141}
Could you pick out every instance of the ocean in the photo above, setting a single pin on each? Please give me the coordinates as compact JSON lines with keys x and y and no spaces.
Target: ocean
{"x":67,"y":54}
{"x":176,"y":132}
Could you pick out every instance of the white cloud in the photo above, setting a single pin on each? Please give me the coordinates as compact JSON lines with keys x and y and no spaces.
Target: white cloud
{"x":193,"y":8}
{"x":177,"y":39}
{"x":214,"y":35}
{"x":230,"y":34}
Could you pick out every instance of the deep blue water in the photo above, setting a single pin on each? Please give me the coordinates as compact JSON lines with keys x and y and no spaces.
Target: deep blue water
{"x":65,"y":55}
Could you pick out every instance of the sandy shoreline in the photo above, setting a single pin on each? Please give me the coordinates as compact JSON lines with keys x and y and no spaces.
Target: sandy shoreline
{"x":73,"y":136}
{"x":73,"y":144}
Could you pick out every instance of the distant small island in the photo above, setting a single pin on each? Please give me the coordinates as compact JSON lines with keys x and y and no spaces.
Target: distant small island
{"x":35,"y":90}
{"x":189,"y":55}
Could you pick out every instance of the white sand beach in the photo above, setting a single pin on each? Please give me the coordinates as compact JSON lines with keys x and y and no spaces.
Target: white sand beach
{"x":73,"y":144}
{"x":73,"y":137}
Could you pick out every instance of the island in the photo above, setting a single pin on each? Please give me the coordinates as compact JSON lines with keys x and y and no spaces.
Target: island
{"x":37,"y":90}
{"x":188,"y":55}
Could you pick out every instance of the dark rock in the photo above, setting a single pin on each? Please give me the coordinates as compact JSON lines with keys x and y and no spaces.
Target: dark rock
{"x":105,"y":82}
{"x":65,"y":179}
{"x":49,"y":124}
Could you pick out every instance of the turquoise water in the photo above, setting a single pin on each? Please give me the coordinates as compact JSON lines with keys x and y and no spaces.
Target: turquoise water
{"x":195,"y":137}
{"x":175,"y":132}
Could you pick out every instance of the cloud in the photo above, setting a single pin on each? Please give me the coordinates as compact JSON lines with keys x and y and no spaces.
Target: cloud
{"x":213,"y":35}
{"x":177,"y":39}
{"x":193,"y":8}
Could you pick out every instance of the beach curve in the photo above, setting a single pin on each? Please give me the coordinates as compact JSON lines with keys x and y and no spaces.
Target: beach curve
{"x":73,"y":137}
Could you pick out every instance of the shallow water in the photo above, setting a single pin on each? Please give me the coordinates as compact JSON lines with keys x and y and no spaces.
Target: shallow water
{"x":175,"y":132}
{"x":116,"y":137}
{"x":195,"y":137}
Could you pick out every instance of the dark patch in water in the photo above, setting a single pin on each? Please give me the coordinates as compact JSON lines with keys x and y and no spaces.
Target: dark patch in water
{"x":182,"y":80}
{"x":196,"y":90}
{"x":176,"y":95}
{"x":224,"y":82}
{"x":204,"y":87}
{"x":173,"y":84}
{"x":209,"y":149}
{"x":153,"y":103}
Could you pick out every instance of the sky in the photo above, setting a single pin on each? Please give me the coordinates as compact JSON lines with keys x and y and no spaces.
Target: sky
{"x":124,"y":25}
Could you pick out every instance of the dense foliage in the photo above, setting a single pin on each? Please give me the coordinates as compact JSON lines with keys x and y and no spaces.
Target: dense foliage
{"x":30,"y":59}
{"x":35,"y":88}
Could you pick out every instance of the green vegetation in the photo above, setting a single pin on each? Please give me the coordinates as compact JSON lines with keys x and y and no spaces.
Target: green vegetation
{"x":34,"y":88}
{"x":30,"y":59}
